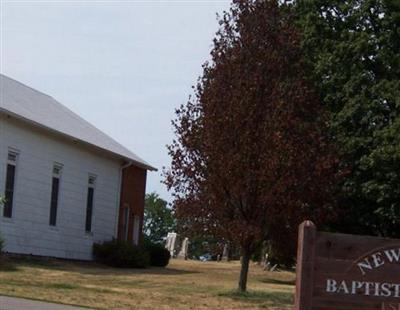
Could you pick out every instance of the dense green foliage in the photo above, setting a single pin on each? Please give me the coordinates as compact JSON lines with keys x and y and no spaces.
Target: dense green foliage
{"x":353,"y":51}
{"x":159,"y":256}
{"x":200,"y":245}
{"x":158,"y":218}
{"x":121,"y":254}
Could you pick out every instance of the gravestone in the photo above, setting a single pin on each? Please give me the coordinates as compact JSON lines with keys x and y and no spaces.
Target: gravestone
{"x":170,"y":243}
{"x":225,"y":252}
{"x":339,"y":271}
{"x":183,"y":253}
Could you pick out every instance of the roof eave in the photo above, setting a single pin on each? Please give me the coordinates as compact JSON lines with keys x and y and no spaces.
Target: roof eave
{"x":36,"y":124}
{"x":138,"y":164}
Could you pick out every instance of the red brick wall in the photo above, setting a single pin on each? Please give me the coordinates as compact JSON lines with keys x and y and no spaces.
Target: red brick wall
{"x":133,"y":188}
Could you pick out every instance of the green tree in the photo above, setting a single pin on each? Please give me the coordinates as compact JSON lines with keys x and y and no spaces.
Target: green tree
{"x":353,"y":51}
{"x":158,"y":218}
{"x":203,"y":244}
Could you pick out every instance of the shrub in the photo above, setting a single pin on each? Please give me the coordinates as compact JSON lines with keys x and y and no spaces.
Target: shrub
{"x":159,"y":256}
{"x":121,"y":254}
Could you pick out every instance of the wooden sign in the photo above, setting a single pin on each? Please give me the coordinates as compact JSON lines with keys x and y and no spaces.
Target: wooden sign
{"x":346,"y":272}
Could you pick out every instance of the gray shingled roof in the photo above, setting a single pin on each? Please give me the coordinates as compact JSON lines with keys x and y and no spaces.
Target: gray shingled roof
{"x":42,"y":110}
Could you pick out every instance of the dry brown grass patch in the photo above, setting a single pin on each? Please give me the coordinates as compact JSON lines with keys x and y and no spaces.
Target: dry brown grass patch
{"x":182,"y":285}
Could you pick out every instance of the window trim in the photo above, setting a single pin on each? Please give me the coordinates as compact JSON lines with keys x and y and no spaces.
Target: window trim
{"x":126,"y":212}
{"x":90,"y":185}
{"x":57,"y":170}
{"x":14,"y":163}
{"x":136,"y":229}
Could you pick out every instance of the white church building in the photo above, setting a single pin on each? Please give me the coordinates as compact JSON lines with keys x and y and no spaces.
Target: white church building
{"x":66,"y":183}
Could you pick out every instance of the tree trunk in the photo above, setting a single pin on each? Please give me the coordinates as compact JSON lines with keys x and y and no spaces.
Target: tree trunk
{"x":244,"y":271}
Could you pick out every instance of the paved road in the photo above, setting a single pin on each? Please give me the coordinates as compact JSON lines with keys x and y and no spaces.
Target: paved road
{"x":11,"y":303}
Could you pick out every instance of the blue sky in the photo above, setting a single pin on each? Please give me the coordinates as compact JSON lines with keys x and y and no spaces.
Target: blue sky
{"x":122,"y":65}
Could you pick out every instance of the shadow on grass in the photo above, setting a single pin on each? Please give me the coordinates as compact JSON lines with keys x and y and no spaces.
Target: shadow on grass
{"x":272,"y":298}
{"x":162,"y":271}
{"x":28,"y":260}
{"x":84,"y":267}
{"x":62,"y":286}
{"x":279,"y":282}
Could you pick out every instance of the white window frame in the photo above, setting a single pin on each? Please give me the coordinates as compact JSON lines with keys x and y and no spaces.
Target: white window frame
{"x":14,"y":163}
{"x":93,"y":186}
{"x":57,"y":171}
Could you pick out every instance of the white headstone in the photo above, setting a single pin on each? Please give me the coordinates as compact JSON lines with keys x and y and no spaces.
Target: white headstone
{"x":170,"y":243}
{"x":225,"y":254}
{"x":184,"y":249}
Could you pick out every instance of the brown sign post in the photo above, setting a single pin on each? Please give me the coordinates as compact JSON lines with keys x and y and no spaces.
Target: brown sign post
{"x":346,"y":272}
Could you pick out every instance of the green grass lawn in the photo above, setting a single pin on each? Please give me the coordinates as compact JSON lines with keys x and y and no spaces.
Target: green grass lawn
{"x":182,"y":285}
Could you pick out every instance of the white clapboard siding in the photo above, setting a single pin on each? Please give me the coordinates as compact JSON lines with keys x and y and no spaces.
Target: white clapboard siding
{"x":28,"y":231}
